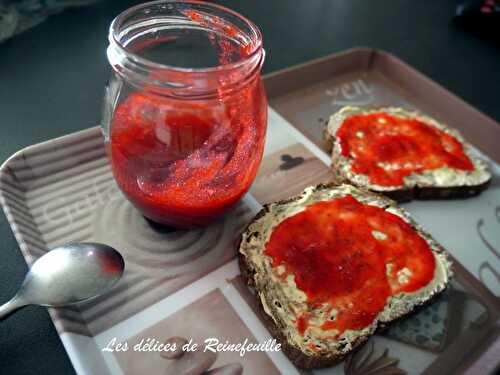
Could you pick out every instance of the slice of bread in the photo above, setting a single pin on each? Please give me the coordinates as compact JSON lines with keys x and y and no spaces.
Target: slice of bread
{"x":440,"y":183}
{"x":283,"y":303}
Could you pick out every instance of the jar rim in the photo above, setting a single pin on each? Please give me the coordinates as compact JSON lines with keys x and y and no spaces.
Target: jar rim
{"x":118,"y":21}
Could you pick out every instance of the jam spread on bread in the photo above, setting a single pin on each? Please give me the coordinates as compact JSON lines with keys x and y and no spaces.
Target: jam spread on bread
{"x":350,"y":257}
{"x":388,"y":148}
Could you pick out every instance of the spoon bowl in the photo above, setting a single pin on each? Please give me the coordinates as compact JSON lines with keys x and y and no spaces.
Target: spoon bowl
{"x":67,"y":275}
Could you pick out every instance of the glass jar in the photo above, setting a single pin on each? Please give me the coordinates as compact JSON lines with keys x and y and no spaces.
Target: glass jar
{"x":185,"y":112}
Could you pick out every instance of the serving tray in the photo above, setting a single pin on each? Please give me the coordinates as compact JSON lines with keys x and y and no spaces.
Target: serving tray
{"x":187,"y":283}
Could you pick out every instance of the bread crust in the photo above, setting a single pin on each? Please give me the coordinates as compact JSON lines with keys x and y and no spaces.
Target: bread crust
{"x":405,"y":193}
{"x":298,"y":357}
{"x":418,"y":192}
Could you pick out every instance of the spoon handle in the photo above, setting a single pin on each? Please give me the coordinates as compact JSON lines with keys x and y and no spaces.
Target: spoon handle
{"x":9,"y":307}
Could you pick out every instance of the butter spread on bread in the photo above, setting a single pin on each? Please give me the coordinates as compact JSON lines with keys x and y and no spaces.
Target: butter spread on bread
{"x":331,"y":265}
{"x":403,"y":154}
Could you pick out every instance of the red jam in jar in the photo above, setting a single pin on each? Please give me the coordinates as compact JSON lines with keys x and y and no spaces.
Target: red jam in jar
{"x":185,"y":143}
{"x":351,"y":256}
{"x":387,"y":148}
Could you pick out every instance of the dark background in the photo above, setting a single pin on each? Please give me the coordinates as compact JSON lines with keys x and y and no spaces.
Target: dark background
{"x":52,"y":79}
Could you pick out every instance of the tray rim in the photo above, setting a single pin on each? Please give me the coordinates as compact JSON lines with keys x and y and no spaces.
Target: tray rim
{"x":19,"y":154}
{"x":70,"y":349}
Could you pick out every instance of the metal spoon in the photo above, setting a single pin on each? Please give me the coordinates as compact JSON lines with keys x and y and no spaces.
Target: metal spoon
{"x":66,"y":275}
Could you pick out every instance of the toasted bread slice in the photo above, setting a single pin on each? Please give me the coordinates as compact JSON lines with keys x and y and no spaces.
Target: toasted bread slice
{"x":441,"y":181}
{"x":320,"y":309}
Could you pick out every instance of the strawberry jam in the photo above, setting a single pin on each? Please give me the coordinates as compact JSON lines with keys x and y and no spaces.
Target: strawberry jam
{"x":185,"y":112}
{"x":387,"y":148}
{"x":185,"y":163}
{"x":351,"y":256}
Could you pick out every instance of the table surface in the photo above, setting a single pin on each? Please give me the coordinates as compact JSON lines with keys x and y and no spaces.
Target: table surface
{"x":52,"y":79}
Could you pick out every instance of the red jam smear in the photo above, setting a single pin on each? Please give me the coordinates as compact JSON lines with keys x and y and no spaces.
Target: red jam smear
{"x":229,"y":52}
{"x":388,"y":148}
{"x":336,"y":259}
{"x":184,"y":163}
